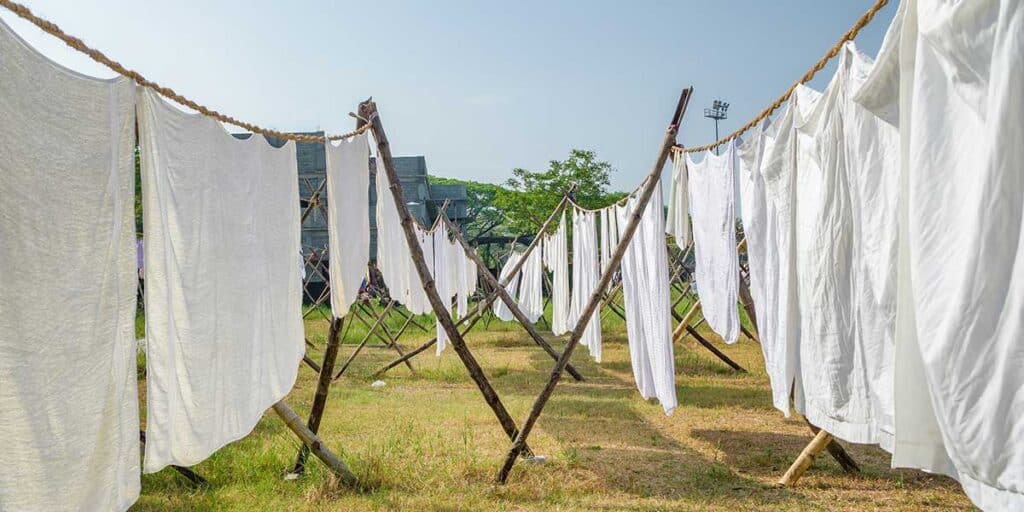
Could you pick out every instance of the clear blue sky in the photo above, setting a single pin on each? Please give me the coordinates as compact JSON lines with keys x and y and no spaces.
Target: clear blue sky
{"x":479,"y":87}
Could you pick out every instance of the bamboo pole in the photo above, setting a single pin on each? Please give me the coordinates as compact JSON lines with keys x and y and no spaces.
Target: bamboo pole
{"x":652,"y":181}
{"x":368,"y":111}
{"x":322,"y":387}
{"x":806,"y":458}
{"x":837,"y":452}
{"x":315,"y":445}
{"x":362,"y":343}
{"x":505,"y":297}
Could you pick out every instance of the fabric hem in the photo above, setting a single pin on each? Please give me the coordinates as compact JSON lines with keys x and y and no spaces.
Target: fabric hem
{"x":859,"y":433}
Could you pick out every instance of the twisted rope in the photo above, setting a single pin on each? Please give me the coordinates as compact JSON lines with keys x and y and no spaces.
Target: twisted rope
{"x":850,"y":35}
{"x":98,"y":56}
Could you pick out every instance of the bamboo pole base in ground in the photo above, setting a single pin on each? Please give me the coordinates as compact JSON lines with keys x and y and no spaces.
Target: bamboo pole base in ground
{"x":811,"y":451}
{"x":315,"y":445}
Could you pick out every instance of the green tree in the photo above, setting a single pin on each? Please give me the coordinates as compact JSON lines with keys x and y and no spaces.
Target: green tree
{"x":483,"y":216}
{"x":529,"y":197}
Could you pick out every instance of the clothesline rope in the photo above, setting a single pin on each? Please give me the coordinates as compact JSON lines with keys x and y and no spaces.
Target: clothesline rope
{"x":619,"y":202}
{"x":98,"y":56}
{"x":850,"y":35}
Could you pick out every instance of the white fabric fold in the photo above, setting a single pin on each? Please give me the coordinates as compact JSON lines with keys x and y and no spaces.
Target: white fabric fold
{"x":512,"y":285}
{"x":645,"y":289}
{"x":224,"y":328}
{"x":586,"y":272}
{"x":394,"y":257}
{"x":348,"y":218}
{"x":846,"y":234}
{"x":69,"y":414}
{"x":713,"y":208}
{"x":556,"y":259}
{"x":677,"y":224}
{"x":531,"y":296}
{"x":949,"y":75}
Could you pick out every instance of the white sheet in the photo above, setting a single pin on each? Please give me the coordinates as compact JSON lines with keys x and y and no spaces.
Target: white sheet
{"x":394,"y":260}
{"x":645,"y":289}
{"x":348,"y":218}
{"x":446,"y":279}
{"x":69,"y":415}
{"x":754,"y":215}
{"x":951,"y":73}
{"x":500,"y":309}
{"x":846,"y":183}
{"x":556,"y":259}
{"x":713,"y":208}
{"x":586,"y":272}
{"x":531,"y":286}
{"x":224,"y":326}
{"x":609,"y":236}
{"x":779,"y":317}
{"x":678,"y":223}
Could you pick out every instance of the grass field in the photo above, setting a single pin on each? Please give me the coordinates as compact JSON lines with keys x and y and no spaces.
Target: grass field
{"x":428,"y":441}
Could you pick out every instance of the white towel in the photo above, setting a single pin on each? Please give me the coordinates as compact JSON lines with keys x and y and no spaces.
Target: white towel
{"x":645,"y":289}
{"x":586,"y":272}
{"x":394,"y":259}
{"x":348,"y":218}
{"x":556,"y":259}
{"x":224,"y":329}
{"x":69,"y":416}
{"x":949,"y":76}
{"x":678,"y":223}
{"x":713,"y":207}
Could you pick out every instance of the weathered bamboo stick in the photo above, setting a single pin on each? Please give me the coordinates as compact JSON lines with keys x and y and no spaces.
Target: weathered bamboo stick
{"x":368,"y":111}
{"x":806,"y":458}
{"x":506,"y":298}
{"x":652,"y":181}
{"x":322,"y":387}
{"x":316,"y":446}
{"x":837,"y":452}
{"x":707,"y":344}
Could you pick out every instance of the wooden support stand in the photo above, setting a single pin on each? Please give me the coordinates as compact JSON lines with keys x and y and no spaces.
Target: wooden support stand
{"x":817,"y":445}
{"x":314,"y":444}
{"x":651,"y":182}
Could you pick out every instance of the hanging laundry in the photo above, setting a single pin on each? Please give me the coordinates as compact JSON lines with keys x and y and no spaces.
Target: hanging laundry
{"x":512,"y":287}
{"x":586,"y":272}
{"x":609,"y":237}
{"x":530,"y":296}
{"x":846,"y":332}
{"x":69,"y":415}
{"x":645,"y":289}
{"x":394,"y":259}
{"x":556,"y":259}
{"x":949,"y":76}
{"x":224,"y":326}
{"x":779,"y":313}
{"x":348,"y":218}
{"x":678,"y":223}
{"x":713,"y":207}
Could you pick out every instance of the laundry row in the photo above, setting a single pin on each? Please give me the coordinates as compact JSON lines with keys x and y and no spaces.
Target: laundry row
{"x":883,"y":220}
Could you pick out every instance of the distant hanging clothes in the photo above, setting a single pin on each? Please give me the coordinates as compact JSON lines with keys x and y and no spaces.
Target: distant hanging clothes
{"x":609,"y":237}
{"x":645,"y":288}
{"x":779,"y":316}
{"x":348,"y":218}
{"x":845,"y":245}
{"x":224,"y":329}
{"x":678,"y":223}
{"x":586,"y":272}
{"x":512,"y":285}
{"x":949,"y":75}
{"x":713,"y":207}
{"x":531,"y":286}
{"x":556,"y":259}
{"x":69,"y":416}
{"x":394,"y":258}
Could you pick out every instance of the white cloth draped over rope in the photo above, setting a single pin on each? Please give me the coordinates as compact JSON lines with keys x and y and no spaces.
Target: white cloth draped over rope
{"x":454,"y":276}
{"x":394,"y":259}
{"x":224,"y":328}
{"x":531,"y":286}
{"x":645,"y":289}
{"x":512,"y":287}
{"x":713,"y":207}
{"x":609,"y":236}
{"x":586,"y":272}
{"x":678,"y":223}
{"x":949,"y":77}
{"x":69,"y":415}
{"x":556,"y":259}
{"x":348,"y":218}
{"x":845,"y":242}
